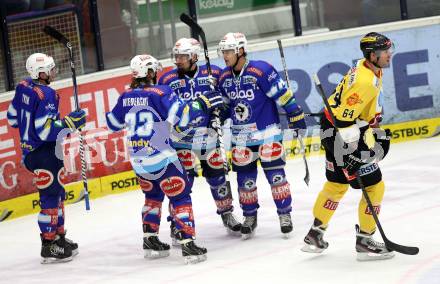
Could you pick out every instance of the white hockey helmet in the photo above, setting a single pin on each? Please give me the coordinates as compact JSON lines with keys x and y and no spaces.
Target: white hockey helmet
{"x":140,"y":64}
{"x":39,"y":62}
{"x":233,"y":41}
{"x":188,"y":46}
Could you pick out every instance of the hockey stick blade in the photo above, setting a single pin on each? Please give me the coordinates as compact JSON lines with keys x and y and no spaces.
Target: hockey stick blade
{"x":56,"y":35}
{"x":388,"y":244}
{"x":401,"y":249}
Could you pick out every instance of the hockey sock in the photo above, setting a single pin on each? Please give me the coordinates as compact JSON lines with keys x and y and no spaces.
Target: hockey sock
{"x":221,"y":194}
{"x":328,"y":200}
{"x":184,"y":217}
{"x":151,"y":213}
{"x":60,"y":225}
{"x":247,"y":191}
{"x":280,"y":190}
{"x":366,"y":220}
{"x":48,"y":221}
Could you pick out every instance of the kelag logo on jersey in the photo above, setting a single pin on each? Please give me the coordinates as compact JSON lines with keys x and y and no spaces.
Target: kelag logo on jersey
{"x":242,"y":94}
{"x":189,"y":96}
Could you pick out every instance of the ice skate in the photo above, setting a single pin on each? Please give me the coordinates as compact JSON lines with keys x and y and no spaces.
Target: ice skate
{"x":233,"y":227}
{"x":153,"y":247}
{"x":368,"y":249}
{"x":192,"y":253}
{"x":286,"y":225}
{"x":248,"y":227}
{"x":61,"y":238}
{"x":314,"y":242}
{"x":53,"y":252}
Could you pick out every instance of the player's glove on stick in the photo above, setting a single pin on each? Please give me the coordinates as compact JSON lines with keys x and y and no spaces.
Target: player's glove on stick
{"x":210,"y":100}
{"x":75,"y":120}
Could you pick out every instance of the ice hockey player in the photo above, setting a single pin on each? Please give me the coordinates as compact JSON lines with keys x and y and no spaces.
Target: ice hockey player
{"x":254,"y":89}
{"x":148,"y":112}
{"x":34,"y":111}
{"x":356,"y":104}
{"x":189,"y":81}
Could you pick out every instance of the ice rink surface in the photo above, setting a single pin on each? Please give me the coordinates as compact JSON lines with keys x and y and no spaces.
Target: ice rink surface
{"x":110,"y":235}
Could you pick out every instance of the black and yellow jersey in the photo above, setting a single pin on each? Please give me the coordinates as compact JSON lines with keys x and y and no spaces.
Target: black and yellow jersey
{"x":357,"y":97}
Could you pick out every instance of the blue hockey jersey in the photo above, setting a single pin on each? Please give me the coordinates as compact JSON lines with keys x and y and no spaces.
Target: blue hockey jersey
{"x":149,"y":115}
{"x":253,"y":96}
{"x":34,"y":111}
{"x":189,"y":89}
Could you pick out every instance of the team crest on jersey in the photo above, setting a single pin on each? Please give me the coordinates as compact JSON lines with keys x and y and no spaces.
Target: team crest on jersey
{"x":187,"y":158}
{"x":354,"y":99}
{"x":214,"y":159}
{"x":242,"y":112}
{"x":146,"y":185}
{"x":271,"y":152}
{"x":172,"y":186}
{"x":62,"y":177}
{"x":278,"y":179}
{"x":241,"y":156}
{"x":329,"y":166}
{"x":43,"y":178}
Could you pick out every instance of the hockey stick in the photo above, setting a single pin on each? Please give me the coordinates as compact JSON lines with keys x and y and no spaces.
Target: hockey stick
{"x":216,"y":124}
{"x":64,"y":41}
{"x":301,"y":142}
{"x":389,"y":244}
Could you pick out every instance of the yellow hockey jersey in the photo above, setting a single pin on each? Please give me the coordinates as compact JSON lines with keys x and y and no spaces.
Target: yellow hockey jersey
{"x":358,"y":96}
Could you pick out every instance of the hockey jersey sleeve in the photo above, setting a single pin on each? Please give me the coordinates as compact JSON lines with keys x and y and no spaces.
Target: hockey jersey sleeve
{"x":46,"y":116}
{"x":271,"y":83}
{"x":115,"y":118}
{"x":12,"y":113}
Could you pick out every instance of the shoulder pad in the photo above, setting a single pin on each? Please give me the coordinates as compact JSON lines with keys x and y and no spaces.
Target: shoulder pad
{"x":225,"y":74}
{"x":39,"y":92}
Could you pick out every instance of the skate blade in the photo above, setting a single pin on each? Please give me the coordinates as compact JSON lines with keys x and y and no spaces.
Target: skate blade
{"x":311,"y":249}
{"x":233,"y":233}
{"x":247,"y":236}
{"x":194,"y":259}
{"x":75,"y":252}
{"x":51,"y":260}
{"x":368,"y":256}
{"x":153,"y":254}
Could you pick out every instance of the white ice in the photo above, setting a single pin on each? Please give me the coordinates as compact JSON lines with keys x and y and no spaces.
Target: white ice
{"x":110,"y":236}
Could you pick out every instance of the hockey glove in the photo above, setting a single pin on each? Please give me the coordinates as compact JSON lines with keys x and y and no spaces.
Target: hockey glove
{"x":75,"y":120}
{"x":210,"y":100}
{"x":353,"y":162}
{"x":296,"y":120}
